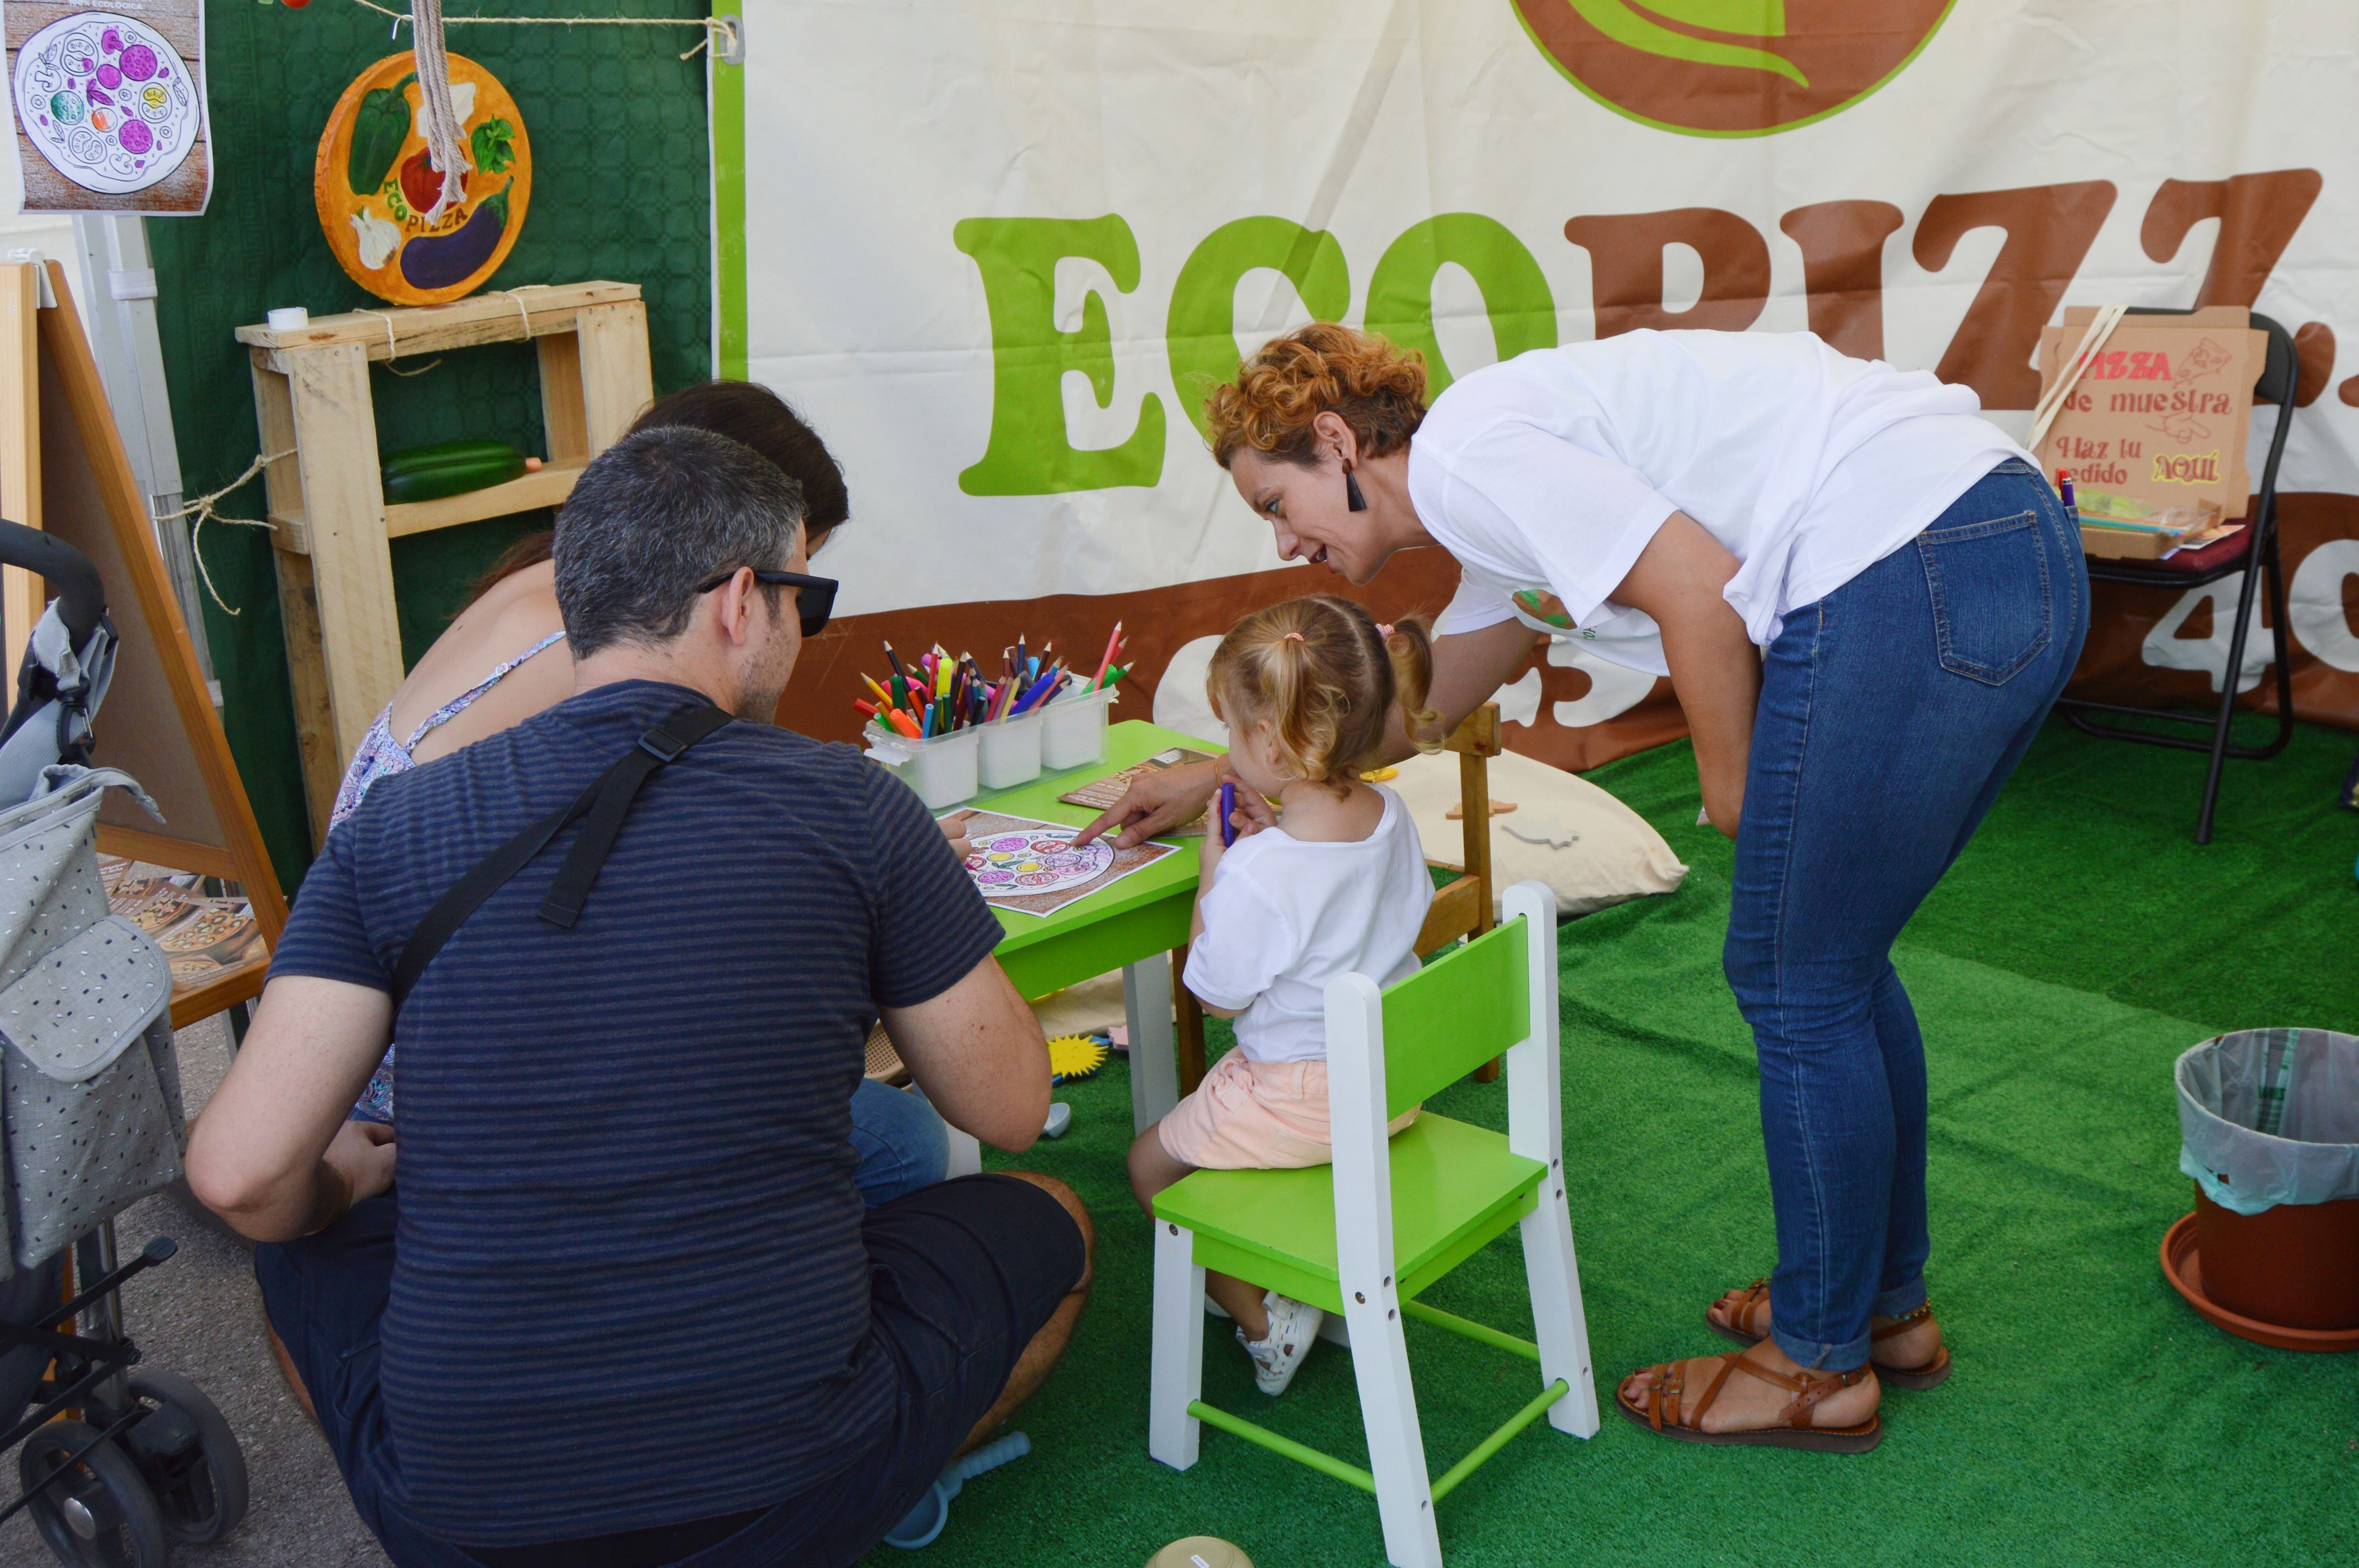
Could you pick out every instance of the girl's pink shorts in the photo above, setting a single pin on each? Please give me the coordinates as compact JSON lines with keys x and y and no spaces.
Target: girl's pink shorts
{"x":1264,"y":1116}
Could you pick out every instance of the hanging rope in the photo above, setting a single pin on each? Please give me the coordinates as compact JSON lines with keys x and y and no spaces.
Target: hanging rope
{"x":719,"y":32}
{"x":393,"y":345}
{"x":202,"y":509}
{"x":438,"y":121}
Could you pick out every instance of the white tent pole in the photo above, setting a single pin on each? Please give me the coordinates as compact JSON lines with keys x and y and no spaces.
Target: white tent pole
{"x":118,"y":299}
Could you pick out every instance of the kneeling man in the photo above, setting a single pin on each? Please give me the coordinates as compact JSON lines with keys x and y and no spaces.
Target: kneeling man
{"x":629,"y":1309}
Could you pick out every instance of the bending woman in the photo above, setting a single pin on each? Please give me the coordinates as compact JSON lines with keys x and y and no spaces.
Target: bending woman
{"x":487,"y":673}
{"x":1868,"y":599}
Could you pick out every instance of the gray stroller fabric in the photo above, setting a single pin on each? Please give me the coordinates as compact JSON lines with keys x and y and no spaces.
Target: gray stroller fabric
{"x":91,"y":1123}
{"x":60,"y":726}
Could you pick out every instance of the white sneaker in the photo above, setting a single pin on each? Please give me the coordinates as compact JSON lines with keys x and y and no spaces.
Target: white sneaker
{"x":1293,"y":1325}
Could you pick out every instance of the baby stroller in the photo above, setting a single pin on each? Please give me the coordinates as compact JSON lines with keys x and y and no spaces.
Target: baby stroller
{"x":117,"y":1464}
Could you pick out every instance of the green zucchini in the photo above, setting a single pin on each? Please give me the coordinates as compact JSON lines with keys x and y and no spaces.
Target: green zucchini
{"x":449,"y":468}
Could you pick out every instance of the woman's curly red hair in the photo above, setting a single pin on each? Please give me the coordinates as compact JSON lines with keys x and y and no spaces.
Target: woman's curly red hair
{"x":1376,"y":388}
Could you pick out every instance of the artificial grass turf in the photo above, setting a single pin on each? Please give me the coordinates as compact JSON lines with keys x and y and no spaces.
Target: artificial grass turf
{"x":2093,"y":1418}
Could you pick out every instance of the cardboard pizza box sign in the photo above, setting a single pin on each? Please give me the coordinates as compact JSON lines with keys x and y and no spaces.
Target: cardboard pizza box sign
{"x":2161,"y":415}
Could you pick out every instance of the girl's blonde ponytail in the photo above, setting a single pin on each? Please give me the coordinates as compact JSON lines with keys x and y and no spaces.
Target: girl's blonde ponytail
{"x":1408,"y":649}
{"x":1325,"y":677}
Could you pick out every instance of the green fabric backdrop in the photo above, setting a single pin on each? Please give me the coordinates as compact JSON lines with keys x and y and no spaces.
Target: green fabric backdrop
{"x":620,"y":191}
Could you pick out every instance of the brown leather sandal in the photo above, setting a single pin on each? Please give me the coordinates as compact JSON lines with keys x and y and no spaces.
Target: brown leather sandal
{"x":1666,"y":1413}
{"x":1738,"y":1330}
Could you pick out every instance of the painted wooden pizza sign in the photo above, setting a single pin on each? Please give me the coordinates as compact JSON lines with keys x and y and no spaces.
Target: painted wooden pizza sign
{"x":375,"y":182}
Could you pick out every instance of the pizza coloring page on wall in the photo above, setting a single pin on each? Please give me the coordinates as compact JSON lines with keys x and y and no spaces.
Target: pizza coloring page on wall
{"x":110,"y":105}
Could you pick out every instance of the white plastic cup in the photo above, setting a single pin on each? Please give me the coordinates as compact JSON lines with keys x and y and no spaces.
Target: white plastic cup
{"x":289,"y":318}
{"x":1010,"y":752}
{"x":941,"y":769}
{"x":1073,"y":727}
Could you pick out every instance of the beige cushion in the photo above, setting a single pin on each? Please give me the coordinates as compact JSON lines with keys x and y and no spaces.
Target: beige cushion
{"x":1593,"y":850}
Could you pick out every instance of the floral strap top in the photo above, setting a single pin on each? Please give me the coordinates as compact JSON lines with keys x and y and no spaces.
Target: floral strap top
{"x":379,"y":755}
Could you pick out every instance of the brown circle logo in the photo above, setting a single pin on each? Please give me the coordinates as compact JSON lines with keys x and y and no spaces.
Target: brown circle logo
{"x":1730,"y":68}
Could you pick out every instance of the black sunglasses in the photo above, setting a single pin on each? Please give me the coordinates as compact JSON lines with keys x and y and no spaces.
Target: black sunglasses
{"x":814,"y":596}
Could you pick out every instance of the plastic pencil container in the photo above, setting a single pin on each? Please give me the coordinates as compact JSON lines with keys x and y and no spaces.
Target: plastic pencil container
{"x":1073,"y":727}
{"x":941,"y":769}
{"x":1010,"y":750}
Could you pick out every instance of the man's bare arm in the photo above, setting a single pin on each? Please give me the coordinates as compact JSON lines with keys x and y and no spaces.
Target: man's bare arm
{"x":1678,"y":580}
{"x":978,"y":1053}
{"x":271,"y":1154}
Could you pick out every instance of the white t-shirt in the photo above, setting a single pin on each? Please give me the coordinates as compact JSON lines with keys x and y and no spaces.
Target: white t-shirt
{"x":1550,"y":472}
{"x":1284,"y":916}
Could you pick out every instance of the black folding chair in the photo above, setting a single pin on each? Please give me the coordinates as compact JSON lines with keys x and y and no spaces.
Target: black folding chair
{"x":2275,"y":385}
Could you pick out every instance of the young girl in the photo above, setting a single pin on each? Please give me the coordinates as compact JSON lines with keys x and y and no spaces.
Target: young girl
{"x":1334,"y":883}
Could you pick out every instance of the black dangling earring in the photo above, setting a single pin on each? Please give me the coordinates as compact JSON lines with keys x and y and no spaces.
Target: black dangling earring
{"x":1352,"y":499}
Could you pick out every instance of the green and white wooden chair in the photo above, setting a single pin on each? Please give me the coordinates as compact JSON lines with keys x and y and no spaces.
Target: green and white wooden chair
{"x":1366,"y":1236}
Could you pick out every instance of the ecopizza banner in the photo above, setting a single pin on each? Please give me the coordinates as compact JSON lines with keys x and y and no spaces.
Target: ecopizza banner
{"x":997,"y":252}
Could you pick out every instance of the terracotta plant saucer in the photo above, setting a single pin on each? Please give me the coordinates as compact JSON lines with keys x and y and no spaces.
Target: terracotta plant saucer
{"x":2182,"y":1265}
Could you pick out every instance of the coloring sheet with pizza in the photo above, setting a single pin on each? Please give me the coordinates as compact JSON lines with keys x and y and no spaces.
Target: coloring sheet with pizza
{"x":110,"y":105}
{"x":1032,"y":867}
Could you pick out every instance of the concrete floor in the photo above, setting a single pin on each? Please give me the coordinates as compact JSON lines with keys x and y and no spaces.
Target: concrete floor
{"x":200,"y":1315}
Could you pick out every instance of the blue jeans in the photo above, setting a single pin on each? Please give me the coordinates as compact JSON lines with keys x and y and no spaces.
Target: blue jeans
{"x":900,"y":1140}
{"x":1891,"y":713}
{"x":899,"y":1137}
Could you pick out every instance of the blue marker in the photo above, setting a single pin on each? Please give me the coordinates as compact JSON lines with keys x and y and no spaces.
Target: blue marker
{"x":1228,"y":809}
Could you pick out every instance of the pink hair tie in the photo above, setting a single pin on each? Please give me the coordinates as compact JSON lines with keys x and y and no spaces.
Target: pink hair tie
{"x":1293,"y":637}
{"x":1385,"y":630}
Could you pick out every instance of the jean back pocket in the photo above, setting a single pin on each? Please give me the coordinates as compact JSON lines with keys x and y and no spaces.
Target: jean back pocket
{"x":1992,"y":614}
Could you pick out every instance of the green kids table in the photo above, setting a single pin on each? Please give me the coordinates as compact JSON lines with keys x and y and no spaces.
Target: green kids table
{"x":1131,"y":927}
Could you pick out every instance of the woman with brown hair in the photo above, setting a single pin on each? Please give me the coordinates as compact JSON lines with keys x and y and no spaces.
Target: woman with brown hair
{"x":485,"y":673}
{"x":1868,"y":599}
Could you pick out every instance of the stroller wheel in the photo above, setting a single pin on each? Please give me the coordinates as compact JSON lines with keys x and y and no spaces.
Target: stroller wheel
{"x":100,"y":1513}
{"x":189,"y":1457}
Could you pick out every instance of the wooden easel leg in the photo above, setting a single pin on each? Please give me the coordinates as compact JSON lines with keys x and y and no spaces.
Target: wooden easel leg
{"x":20,"y":450}
{"x":1189,"y":1022}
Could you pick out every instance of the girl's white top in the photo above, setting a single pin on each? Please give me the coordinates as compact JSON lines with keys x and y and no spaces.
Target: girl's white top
{"x":1285,"y":916}
{"x":1551,"y":470}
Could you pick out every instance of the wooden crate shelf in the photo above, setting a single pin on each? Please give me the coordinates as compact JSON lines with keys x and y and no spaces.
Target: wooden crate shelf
{"x":330,"y":521}
{"x":548,"y":486}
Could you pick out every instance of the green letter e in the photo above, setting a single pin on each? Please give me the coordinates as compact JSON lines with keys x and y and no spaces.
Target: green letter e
{"x":1029,"y":453}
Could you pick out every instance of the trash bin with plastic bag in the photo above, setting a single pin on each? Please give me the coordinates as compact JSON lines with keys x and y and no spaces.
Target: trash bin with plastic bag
{"x":2269,"y":1130}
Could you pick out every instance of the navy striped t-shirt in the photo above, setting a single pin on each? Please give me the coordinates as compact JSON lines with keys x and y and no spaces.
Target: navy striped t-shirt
{"x":629,"y":1288}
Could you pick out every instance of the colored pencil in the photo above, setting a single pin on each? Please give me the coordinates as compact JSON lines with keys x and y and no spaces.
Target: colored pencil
{"x":1106,"y":663}
{"x":1041,"y":689}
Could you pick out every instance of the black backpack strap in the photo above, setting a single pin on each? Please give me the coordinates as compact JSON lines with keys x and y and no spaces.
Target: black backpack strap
{"x":621,"y":786}
{"x":606,"y":800}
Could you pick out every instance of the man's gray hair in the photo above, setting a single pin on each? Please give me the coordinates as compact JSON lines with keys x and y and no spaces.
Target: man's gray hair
{"x":653,"y":518}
